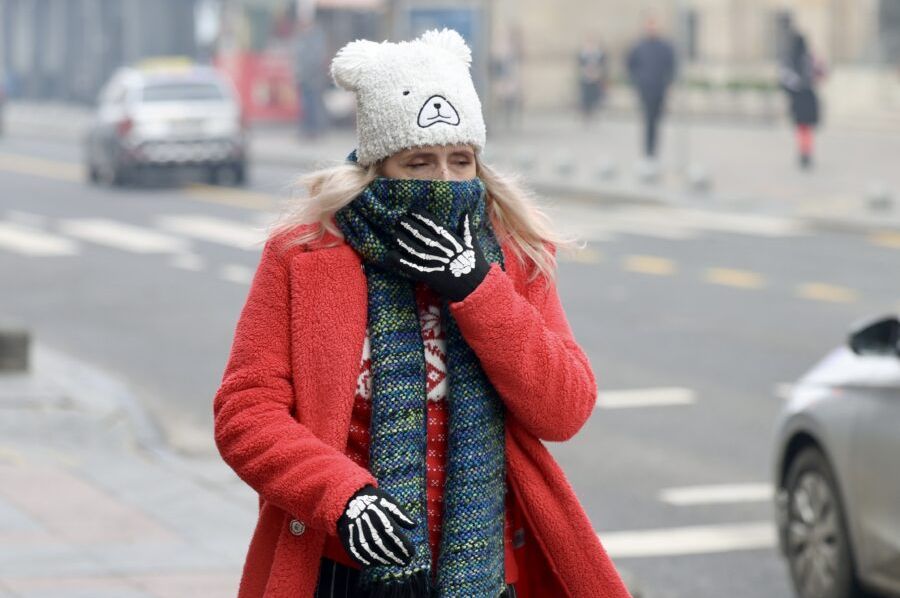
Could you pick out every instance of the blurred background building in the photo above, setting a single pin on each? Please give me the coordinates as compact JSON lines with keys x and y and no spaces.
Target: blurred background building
{"x":66,"y":49}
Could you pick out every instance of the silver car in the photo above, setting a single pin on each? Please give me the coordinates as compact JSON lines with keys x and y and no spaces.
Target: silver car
{"x":837,"y":469}
{"x":163,"y":117}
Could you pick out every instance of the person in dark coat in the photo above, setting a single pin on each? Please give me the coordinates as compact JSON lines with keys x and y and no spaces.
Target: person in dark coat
{"x":591,"y":77}
{"x":799,"y":75}
{"x":311,"y":76}
{"x":651,"y":66}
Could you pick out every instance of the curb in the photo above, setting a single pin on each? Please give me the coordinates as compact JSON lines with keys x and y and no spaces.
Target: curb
{"x":95,"y":391}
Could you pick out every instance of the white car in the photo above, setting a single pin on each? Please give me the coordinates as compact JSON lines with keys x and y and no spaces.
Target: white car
{"x":164,"y":117}
{"x":837,"y":469}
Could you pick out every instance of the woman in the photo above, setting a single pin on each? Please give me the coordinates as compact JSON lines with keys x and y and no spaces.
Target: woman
{"x":799,"y":76}
{"x":401,"y":354}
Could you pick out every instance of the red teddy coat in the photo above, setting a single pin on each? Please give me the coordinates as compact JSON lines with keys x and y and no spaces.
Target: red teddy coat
{"x":282,"y":415}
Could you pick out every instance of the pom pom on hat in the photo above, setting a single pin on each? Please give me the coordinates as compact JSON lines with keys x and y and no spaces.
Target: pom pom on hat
{"x":411,"y":93}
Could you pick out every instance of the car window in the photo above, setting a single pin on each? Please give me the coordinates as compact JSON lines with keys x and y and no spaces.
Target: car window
{"x":180,"y":92}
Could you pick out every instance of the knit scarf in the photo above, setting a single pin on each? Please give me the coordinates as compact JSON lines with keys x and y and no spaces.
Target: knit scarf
{"x":471,"y":559}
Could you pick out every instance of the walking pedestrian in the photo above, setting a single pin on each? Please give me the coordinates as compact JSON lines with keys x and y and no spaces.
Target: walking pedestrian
{"x":651,"y":67}
{"x":400,"y":357}
{"x":311,"y":76}
{"x":799,"y":75}
{"x":507,"y":79}
{"x":592,"y":71}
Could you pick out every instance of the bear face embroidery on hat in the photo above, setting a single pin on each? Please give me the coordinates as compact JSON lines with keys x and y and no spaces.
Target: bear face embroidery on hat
{"x":430,"y":114}
{"x":411,"y":94}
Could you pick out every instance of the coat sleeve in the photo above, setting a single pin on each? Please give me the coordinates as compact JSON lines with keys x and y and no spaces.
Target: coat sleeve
{"x":527,"y":350}
{"x":255,"y":431}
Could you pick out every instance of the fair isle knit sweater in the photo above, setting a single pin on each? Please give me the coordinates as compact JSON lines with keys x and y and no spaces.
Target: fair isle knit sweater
{"x":433,"y":335}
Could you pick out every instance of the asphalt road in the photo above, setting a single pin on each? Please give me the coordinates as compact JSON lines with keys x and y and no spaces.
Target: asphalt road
{"x":692,"y":329}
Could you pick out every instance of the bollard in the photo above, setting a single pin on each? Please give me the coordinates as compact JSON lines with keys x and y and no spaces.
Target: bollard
{"x":13,"y":350}
{"x":606,"y":169}
{"x":698,"y":179}
{"x":879,"y":198}
{"x":564,"y":165}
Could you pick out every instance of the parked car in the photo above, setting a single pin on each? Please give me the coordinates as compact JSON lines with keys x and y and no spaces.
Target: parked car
{"x":837,"y":469}
{"x":166,"y":115}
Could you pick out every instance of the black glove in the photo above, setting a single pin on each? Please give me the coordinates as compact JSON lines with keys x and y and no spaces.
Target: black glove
{"x":451,"y":264}
{"x":368,"y":529}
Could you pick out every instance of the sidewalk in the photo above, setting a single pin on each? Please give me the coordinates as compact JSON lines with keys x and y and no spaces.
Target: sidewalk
{"x":89,"y":510}
{"x":713,"y":165}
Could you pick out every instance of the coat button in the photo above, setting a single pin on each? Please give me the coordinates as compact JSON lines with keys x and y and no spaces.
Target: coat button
{"x":297,"y":527}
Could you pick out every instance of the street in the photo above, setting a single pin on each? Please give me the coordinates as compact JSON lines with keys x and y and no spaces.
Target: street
{"x":695,"y":323}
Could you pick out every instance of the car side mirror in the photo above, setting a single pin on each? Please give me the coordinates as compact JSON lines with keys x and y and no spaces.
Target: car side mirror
{"x":876,"y":337}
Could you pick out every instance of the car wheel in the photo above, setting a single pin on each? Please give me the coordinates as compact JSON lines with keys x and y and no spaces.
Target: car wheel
{"x":816,"y":539}
{"x":121,"y":176}
{"x":239,"y":170}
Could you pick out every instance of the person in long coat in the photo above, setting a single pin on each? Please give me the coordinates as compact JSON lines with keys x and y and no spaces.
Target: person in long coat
{"x":799,"y":75}
{"x":652,"y":66}
{"x":401,"y":356}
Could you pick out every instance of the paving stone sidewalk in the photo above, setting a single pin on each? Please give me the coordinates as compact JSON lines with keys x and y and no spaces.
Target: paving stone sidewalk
{"x":91,"y":507}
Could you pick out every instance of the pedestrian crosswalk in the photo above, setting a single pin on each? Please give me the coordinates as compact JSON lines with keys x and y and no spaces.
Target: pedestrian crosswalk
{"x":168,"y":233}
{"x":177,"y":236}
{"x":181,"y":237}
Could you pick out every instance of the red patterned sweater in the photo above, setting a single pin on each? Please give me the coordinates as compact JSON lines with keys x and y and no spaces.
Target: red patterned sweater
{"x":433,"y":335}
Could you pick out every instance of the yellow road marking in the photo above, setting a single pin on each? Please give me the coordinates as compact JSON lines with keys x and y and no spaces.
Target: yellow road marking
{"x":231,"y":197}
{"x":818,"y":291}
{"x":11,"y":457}
{"x":586,"y":255}
{"x":886,"y":239}
{"x":42,"y":167}
{"x":649,"y":264}
{"x":742,"y":279}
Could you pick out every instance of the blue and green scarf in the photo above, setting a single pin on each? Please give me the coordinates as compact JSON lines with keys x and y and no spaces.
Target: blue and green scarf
{"x":471,"y":559}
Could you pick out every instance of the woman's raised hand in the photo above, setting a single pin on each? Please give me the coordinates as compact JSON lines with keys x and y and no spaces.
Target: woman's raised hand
{"x":451,"y":264}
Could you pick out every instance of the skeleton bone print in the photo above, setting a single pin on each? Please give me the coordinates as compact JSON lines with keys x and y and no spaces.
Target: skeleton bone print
{"x":459,"y":259}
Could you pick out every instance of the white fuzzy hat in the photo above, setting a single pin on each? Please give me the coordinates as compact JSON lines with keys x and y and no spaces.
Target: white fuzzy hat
{"x":411,"y":94}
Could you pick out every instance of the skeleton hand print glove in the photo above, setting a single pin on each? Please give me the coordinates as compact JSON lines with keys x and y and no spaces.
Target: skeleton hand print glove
{"x":451,"y":264}
{"x":368,"y":529}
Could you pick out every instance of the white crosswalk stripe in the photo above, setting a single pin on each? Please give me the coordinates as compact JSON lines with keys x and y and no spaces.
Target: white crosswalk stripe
{"x":645,"y":397}
{"x":236,"y":273}
{"x":126,"y":237}
{"x":215,"y":230}
{"x":680,"y":541}
{"x":29,"y":241}
{"x":717,"y":494}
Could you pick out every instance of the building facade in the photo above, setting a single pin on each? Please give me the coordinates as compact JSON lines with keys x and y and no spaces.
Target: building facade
{"x":722,"y":43}
{"x":66,"y":49}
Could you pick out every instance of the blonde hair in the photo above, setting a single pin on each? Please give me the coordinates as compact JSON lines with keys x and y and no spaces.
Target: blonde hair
{"x":512,"y":208}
